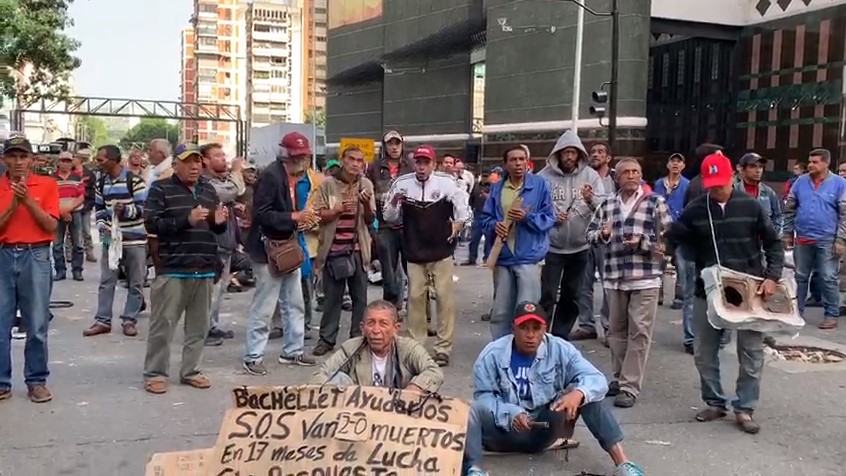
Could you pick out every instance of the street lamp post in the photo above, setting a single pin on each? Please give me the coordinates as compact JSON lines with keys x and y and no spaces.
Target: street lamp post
{"x":615,"y":62}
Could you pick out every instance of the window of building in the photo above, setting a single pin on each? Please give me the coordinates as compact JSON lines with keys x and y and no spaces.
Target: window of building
{"x":321,"y":38}
{"x":680,"y":78}
{"x":651,"y":78}
{"x":279,"y":73}
{"x":665,"y":70}
{"x":261,"y":74}
{"x":205,"y":41}
{"x":208,"y":8}
{"x":715,"y":62}
{"x":261,"y":28}
{"x":697,"y":64}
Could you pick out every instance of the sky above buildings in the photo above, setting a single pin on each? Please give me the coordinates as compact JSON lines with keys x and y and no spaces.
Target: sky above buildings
{"x":130,"y":48}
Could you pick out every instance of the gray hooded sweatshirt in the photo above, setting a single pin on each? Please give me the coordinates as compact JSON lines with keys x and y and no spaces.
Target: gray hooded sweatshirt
{"x":571,"y":236}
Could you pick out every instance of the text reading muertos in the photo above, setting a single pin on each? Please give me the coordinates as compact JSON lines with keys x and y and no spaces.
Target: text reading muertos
{"x":331,"y":431}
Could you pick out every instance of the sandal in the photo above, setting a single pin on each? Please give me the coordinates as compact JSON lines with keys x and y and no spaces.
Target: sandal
{"x":711,"y":414}
{"x":441,"y":359}
{"x":746,"y":423}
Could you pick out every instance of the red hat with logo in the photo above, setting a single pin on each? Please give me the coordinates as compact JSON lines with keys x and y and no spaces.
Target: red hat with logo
{"x":296,"y":144}
{"x":716,"y":171}
{"x":425,"y":151}
{"x":529,"y":311}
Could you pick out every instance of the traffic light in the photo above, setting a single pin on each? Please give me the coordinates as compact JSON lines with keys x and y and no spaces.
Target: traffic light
{"x":600,"y":100}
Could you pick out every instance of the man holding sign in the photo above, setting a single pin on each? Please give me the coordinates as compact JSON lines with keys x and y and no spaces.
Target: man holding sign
{"x":381,"y":358}
{"x":530,"y":388}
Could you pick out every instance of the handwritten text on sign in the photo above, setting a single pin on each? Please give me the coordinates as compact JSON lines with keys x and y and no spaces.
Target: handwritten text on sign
{"x":332,"y":431}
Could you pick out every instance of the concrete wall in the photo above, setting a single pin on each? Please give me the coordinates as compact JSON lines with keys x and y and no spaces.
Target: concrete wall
{"x":354,"y":111}
{"x":431,"y":97}
{"x":530,"y":73}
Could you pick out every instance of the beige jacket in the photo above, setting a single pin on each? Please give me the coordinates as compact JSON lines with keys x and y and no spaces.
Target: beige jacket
{"x":409,"y":363}
{"x":331,"y":193}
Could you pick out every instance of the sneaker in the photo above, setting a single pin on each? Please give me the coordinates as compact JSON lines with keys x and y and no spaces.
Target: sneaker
{"x":628,"y":469}
{"x":302,"y":360}
{"x":212,"y":341}
{"x":77,"y":276}
{"x":255,"y":368}
{"x":221,"y":334}
{"x":624,"y":400}
{"x":17,"y":334}
{"x":321,"y":349}
{"x":39,"y":394}
{"x":613,"y":389}
{"x":474,"y":471}
{"x":60,"y":276}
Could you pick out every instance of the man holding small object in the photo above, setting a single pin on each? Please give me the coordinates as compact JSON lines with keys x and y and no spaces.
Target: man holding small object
{"x":530,"y":388}
{"x":576,"y":191}
{"x":381,"y":358}
{"x":432,"y":210}
{"x":517,"y":279}
{"x":186,"y":214}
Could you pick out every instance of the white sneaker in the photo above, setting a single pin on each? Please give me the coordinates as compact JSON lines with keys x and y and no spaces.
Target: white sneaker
{"x":17,"y":334}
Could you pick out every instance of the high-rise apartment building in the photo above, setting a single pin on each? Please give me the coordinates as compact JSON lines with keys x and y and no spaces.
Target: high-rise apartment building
{"x":188,"y":86}
{"x":219,"y":61}
{"x":316,"y":20}
{"x":274,"y":36}
{"x":266,"y":56}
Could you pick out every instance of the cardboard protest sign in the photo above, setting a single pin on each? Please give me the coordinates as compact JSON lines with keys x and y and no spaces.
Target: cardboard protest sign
{"x":180,"y":463}
{"x":332,"y":431}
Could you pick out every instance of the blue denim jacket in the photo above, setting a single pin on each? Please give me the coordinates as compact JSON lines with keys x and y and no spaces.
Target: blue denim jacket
{"x":769,"y":201}
{"x":558,"y":367}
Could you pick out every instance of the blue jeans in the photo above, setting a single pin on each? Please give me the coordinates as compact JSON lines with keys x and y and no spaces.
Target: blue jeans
{"x":74,"y":228}
{"x":391,"y":252}
{"x":819,"y":259}
{"x":595,"y":263}
{"x":706,"y":356}
{"x":513,"y":285}
{"x":135,"y":262}
{"x":25,"y":284}
{"x":475,"y":241}
{"x":287,"y":292}
{"x":483,"y":434}
{"x":686,"y":273}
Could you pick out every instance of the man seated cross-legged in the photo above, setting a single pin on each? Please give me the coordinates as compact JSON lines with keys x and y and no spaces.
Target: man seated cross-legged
{"x":530,"y":389}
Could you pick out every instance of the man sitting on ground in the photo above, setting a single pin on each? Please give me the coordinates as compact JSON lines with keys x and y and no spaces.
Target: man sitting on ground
{"x":380,"y":358}
{"x":530,"y":389}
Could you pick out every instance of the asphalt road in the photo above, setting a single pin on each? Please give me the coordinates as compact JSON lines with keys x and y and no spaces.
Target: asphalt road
{"x":102,"y":423}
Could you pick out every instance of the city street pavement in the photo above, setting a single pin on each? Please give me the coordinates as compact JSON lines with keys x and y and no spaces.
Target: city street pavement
{"x":102,"y":423}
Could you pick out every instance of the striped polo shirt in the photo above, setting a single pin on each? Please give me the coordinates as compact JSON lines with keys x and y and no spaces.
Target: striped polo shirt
{"x":131,"y":191}
{"x":345,"y":235}
{"x":71,"y":188}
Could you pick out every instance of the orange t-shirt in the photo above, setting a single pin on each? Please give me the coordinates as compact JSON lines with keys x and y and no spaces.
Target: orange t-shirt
{"x":22,"y":227}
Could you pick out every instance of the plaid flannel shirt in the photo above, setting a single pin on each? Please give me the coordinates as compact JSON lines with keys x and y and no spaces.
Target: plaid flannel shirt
{"x":648,"y":220}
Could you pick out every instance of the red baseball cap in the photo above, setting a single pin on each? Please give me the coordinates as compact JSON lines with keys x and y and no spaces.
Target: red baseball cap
{"x":716,"y":171}
{"x":296,"y":144}
{"x":529,"y":311}
{"x":425,"y":151}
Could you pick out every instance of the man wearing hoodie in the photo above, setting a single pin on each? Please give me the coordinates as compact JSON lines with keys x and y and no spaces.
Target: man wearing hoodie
{"x":526,"y":239}
{"x":576,"y":191}
{"x":389,"y":236}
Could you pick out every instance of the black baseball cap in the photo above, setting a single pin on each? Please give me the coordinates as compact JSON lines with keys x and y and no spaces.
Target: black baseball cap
{"x":17,"y":143}
{"x":529,"y":311}
{"x":751,"y":158}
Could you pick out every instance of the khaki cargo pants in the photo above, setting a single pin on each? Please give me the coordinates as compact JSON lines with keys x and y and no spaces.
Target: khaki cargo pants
{"x":418,"y":301}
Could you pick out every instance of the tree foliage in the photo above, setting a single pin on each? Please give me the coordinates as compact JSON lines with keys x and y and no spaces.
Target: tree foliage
{"x":319,"y":118}
{"x":149,"y":129}
{"x":94,"y":131}
{"x":33,"y":43}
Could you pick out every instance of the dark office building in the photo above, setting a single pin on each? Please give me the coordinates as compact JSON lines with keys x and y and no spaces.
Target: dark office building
{"x":474,"y":76}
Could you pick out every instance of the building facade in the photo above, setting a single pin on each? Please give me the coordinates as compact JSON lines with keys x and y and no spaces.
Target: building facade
{"x":479,"y":75}
{"x":265,"y":56}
